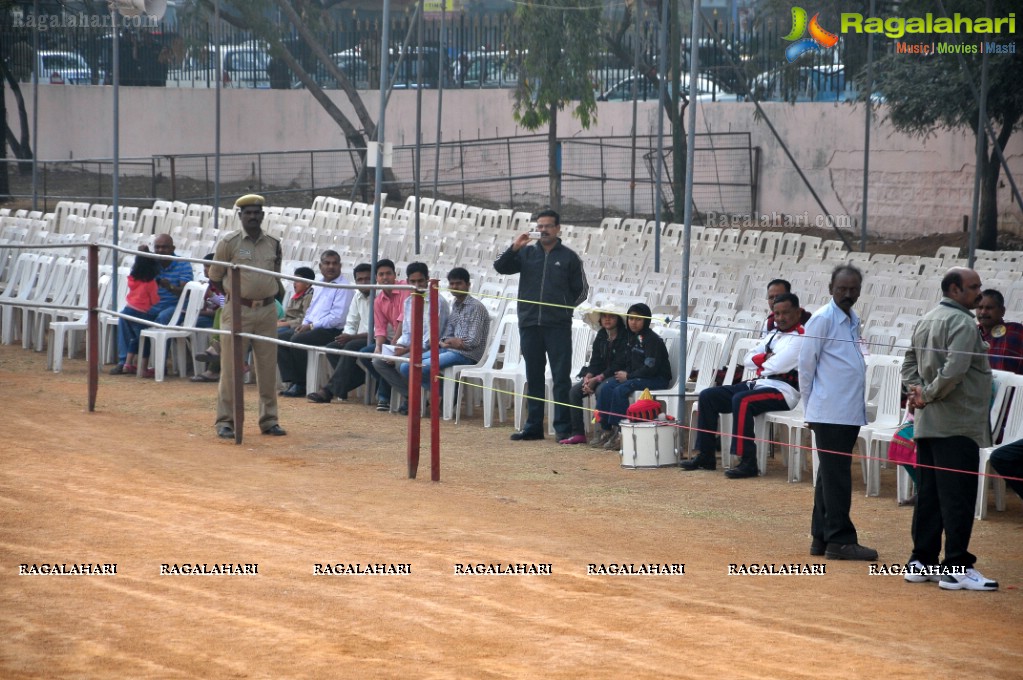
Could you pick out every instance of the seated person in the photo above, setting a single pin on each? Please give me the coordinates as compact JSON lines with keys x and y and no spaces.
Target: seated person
{"x":209,"y":317}
{"x":646,"y":366}
{"x":347,"y":374}
{"x":774,"y":289}
{"x":418,"y":275}
{"x":606,"y":358}
{"x":776,"y":388}
{"x":323,"y":322}
{"x":142,"y":296}
{"x":1005,"y":339}
{"x":388,"y":310}
{"x":464,"y":338}
{"x":298,"y":304}
{"x":1007,"y":460}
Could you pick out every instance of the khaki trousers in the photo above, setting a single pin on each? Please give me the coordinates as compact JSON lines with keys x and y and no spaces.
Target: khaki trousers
{"x":257,"y":321}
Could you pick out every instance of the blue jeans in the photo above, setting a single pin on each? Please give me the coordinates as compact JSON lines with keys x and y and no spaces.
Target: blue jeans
{"x":447,"y":357}
{"x":128,"y":333}
{"x":540,"y":344}
{"x":613,"y":398}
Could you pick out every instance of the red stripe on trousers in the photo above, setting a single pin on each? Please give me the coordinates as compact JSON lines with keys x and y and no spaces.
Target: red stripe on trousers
{"x":755,"y":395}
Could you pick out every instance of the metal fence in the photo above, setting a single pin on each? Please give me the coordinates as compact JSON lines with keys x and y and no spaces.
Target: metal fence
{"x":602,"y":173}
{"x":469,"y":51}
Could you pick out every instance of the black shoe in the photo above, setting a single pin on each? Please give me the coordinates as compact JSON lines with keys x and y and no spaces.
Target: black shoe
{"x":225,"y":431}
{"x":818,"y":547}
{"x":700,"y":462}
{"x":747,"y":468}
{"x":321,"y":397}
{"x":275,"y":431}
{"x":526,"y":436}
{"x":850,"y":551}
{"x":295,"y":390}
{"x":403,"y":409}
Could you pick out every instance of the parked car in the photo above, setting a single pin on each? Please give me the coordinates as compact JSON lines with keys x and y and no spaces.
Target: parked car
{"x":64,"y":68}
{"x":821,"y":83}
{"x":487,"y":69}
{"x":242,"y":65}
{"x":707,"y":90}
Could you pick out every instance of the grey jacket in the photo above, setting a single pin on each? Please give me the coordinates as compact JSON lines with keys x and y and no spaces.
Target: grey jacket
{"x":949,"y":360}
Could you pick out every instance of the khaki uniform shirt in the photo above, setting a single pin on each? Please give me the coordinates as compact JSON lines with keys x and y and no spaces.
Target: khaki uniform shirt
{"x":239,"y":248}
{"x":949,"y":360}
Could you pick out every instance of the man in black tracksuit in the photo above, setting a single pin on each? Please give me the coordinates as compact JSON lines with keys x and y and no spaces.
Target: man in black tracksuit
{"x":552,"y":275}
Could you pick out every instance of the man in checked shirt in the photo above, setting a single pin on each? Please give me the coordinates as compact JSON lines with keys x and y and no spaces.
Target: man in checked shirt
{"x":464,"y":337}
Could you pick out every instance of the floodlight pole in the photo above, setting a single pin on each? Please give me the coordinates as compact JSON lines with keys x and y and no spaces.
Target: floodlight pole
{"x":115,"y":198}
{"x":35,"y":107}
{"x":866,"y":135}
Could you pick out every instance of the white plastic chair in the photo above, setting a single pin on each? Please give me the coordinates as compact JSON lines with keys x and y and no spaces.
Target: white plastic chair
{"x":487,"y":372}
{"x":185,"y":314}
{"x":1013,"y":421}
{"x":884,"y":372}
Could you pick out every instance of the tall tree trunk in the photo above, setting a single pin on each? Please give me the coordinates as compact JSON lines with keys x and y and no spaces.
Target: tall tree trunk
{"x":987,"y":236}
{"x":552,"y":159}
{"x":5,"y":188}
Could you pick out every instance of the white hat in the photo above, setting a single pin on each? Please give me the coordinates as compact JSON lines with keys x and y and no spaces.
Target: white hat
{"x":592,"y":317}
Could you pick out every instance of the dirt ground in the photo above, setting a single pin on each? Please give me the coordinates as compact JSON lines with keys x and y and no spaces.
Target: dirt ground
{"x":144,"y":481}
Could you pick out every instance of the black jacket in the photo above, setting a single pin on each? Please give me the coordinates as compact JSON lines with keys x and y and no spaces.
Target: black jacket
{"x":607,"y":357}
{"x":555,"y":278}
{"x":647,"y":356}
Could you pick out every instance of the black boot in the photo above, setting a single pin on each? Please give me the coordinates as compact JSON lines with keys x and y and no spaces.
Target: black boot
{"x":703,"y":461}
{"x":747,"y":468}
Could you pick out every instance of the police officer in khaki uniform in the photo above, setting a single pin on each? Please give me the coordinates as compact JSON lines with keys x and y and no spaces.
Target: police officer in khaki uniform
{"x":254,"y":248}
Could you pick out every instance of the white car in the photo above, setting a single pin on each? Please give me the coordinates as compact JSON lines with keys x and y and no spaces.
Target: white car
{"x":707,"y":90}
{"x":63,"y":68}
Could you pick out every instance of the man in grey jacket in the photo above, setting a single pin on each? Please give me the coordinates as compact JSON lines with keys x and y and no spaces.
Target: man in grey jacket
{"x":551,"y":283}
{"x":949,"y":381}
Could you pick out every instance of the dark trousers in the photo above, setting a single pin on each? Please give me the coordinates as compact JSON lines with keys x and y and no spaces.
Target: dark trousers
{"x":832,"y":496}
{"x":540,"y":344}
{"x":946,"y":500}
{"x":744,"y":403}
{"x":292,"y":361}
{"x":1007,"y":461}
{"x":348,"y":374}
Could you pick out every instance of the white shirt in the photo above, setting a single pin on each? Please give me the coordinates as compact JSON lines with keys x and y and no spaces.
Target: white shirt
{"x":832,"y":370}
{"x":329,"y":307}
{"x":784,"y":358}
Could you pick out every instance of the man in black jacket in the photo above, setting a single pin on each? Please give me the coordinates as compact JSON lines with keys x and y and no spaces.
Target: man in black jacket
{"x":551,"y":283}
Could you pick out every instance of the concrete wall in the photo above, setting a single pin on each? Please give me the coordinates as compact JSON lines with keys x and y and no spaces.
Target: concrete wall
{"x":917,"y":186}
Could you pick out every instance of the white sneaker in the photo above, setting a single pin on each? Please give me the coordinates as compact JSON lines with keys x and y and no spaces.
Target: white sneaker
{"x":971,"y":580}
{"x":916,"y":572}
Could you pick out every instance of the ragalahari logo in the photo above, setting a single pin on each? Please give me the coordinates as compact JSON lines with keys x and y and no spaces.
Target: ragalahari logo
{"x":820,"y":38}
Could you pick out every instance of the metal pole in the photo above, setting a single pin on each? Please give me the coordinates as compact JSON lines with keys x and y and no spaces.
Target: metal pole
{"x":440,"y":102}
{"x":385,"y":38}
{"x":662,"y":94}
{"x":866,"y":135}
{"x":418,"y":179}
{"x":635,"y":110}
{"x":115,"y":199}
{"x":694,"y":65}
{"x":35,"y":107}
{"x":216,"y":123}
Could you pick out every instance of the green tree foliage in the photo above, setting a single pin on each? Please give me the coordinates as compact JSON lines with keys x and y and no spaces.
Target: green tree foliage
{"x":928,"y":93}
{"x":557,"y":49}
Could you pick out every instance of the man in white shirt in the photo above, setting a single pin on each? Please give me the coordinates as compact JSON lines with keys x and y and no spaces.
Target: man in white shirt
{"x":347,"y":374}
{"x":776,"y":388}
{"x":322,"y":323}
{"x":832,"y":381}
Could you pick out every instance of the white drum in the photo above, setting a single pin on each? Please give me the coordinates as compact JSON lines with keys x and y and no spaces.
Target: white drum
{"x":649,"y":445}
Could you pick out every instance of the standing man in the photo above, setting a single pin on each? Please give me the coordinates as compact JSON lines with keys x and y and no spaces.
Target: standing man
{"x":1004,"y":338}
{"x":551,"y":283}
{"x":949,"y":381}
{"x":323,"y":321}
{"x":832,"y":383}
{"x":253,"y":247}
